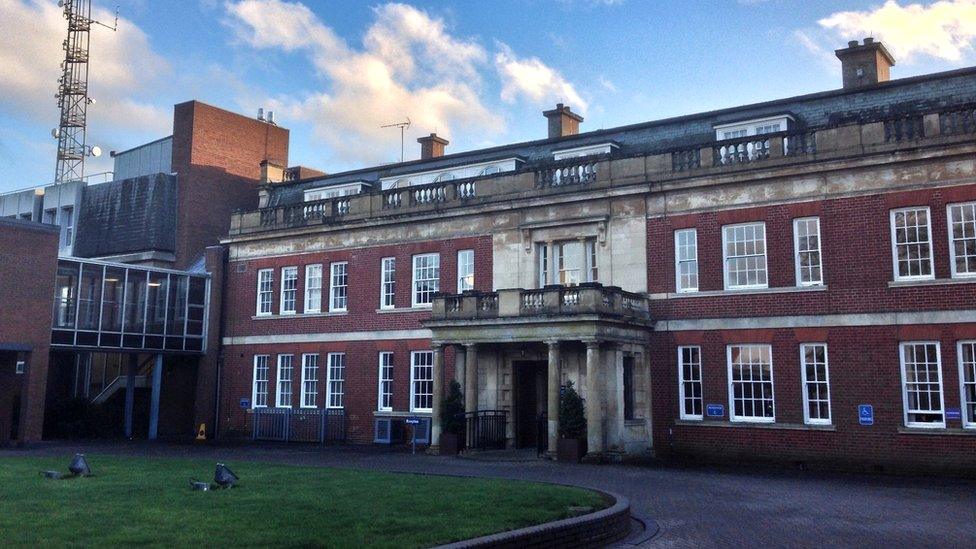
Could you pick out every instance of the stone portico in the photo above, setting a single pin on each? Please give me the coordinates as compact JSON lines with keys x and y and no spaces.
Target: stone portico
{"x":515,"y":348}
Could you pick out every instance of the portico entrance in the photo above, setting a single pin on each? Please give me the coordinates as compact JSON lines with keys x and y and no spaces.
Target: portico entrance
{"x":530,"y":400}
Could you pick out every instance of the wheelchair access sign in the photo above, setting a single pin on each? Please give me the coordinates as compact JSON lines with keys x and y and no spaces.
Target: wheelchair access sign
{"x":865,"y":414}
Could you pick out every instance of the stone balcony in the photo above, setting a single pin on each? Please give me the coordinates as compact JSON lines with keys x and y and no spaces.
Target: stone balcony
{"x":587,"y":311}
{"x":742,"y":157}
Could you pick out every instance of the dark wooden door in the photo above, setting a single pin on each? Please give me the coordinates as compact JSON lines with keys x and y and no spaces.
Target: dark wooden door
{"x":526,"y":401}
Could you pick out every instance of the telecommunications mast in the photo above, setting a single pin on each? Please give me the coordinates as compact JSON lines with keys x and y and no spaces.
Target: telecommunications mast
{"x":72,"y":93}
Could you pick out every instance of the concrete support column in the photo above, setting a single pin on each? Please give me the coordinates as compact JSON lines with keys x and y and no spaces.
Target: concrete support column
{"x":471,"y":378}
{"x":438,"y":396}
{"x":594,"y":398}
{"x":130,"y":392}
{"x":552,"y":409}
{"x":157,"y":381}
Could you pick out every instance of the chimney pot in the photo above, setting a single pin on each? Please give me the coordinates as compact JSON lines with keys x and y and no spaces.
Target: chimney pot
{"x":562,"y":121}
{"x":432,"y":146}
{"x":865,"y":64}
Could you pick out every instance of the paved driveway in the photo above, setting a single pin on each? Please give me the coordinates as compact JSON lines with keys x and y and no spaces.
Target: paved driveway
{"x":693,"y":507}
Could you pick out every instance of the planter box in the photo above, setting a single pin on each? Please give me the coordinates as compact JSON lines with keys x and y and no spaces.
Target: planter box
{"x":450,"y":444}
{"x":571,"y":450}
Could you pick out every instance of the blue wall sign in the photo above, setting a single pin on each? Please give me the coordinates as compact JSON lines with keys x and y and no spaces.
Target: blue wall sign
{"x":412,"y":421}
{"x":245,"y":403}
{"x":715,"y":410}
{"x":865,"y":414}
{"x":953,"y":413}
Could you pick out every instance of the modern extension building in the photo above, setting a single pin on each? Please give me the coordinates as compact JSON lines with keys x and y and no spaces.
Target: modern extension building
{"x":794,"y":280}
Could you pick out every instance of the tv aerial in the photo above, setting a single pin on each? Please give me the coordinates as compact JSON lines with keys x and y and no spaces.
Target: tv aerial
{"x":403,"y":126}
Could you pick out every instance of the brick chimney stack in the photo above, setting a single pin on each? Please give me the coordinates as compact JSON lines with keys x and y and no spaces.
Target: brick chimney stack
{"x":562,"y":121}
{"x":432,"y":146}
{"x":865,"y":64}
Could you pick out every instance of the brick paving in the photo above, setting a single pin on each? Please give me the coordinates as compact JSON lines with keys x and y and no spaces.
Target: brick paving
{"x":693,"y":506}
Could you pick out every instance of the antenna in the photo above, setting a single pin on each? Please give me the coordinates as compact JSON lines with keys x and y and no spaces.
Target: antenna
{"x":72,"y":93}
{"x":403,"y":126}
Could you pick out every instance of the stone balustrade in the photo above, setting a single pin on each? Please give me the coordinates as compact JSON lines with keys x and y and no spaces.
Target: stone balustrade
{"x":908,"y":130}
{"x":590,"y":298}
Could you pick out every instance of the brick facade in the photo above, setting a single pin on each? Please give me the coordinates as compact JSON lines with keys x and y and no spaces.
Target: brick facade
{"x":28,"y":262}
{"x":217,"y":155}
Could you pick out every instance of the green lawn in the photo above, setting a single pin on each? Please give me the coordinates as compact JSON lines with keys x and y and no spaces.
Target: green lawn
{"x":135,"y":501}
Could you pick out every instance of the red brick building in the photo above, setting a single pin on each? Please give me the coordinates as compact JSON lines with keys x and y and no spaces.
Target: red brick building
{"x":28,"y":260}
{"x":791,"y":280}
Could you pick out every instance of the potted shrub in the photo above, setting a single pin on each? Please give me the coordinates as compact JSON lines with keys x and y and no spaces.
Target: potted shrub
{"x":452,"y":421}
{"x":572,"y":425}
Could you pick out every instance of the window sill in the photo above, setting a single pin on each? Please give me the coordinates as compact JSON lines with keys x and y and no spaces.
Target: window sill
{"x":757,"y":291}
{"x":401,"y":414}
{"x":303,"y":315}
{"x":403,"y":310}
{"x":953,"y":431}
{"x":635,"y":422}
{"x":930,"y":282}
{"x":749,"y":425}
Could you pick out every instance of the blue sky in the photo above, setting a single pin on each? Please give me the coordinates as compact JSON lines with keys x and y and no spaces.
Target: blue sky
{"x":478,"y":73}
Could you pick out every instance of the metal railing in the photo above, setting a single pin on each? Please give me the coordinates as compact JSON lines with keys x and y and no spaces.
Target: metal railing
{"x":299,"y":425}
{"x":485,"y":429}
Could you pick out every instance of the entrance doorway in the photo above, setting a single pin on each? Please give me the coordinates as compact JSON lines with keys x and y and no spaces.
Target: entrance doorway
{"x":530,"y":377}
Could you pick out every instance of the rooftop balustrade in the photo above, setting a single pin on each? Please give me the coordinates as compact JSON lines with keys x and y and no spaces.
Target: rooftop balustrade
{"x":585,"y":299}
{"x":902,"y":131}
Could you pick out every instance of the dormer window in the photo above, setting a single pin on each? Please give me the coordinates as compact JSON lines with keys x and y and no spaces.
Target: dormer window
{"x":758,"y":126}
{"x":462,"y":171}
{"x":446,"y":176}
{"x":333,"y":191}
{"x":491,"y":170}
{"x":586,"y":150}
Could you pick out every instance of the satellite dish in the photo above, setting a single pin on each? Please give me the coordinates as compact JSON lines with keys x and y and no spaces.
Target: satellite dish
{"x":60,"y":3}
{"x":55,"y":133}
{"x":96,"y":151}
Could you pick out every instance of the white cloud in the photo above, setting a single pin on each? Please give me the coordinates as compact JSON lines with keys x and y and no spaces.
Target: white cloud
{"x":122,"y":63}
{"x":944,"y":29}
{"x":529,"y":77}
{"x":409,"y":65}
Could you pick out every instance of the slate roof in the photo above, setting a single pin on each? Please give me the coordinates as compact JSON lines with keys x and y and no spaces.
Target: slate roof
{"x":929,"y":92}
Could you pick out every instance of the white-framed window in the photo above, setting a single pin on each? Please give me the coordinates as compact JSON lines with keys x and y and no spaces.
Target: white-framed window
{"x":388,"y":283}
{"x":686,"y":260}
{"x":966,"y":351}
{"x":259,"y":387}
{"x":911,"y":243}
{"x":568,"y":262}
{"x":313,"y":288}
{"x":336,"y":379}
{"x":816,"y":383}
{"x":384,"y":390}
{"x":751,"y":383}
{"x":21,"y":367}
{"x":744,"y":256}
{"x":421,"y":381}
{"x":310,"y":380}
{"x":962,"y":239}
{"x":265,"y":291}
{"x":542,"y":253}
{"x":289,"y":290}
{"x":806,"y":248}
{"x":338,"y":286}
{"x":68,"y":225}
{"x":690,"y":382}
{"x":426,"y":278}
{"x":286,"y":367}
{"x":465,"y":270}
{"x":921,"y":383}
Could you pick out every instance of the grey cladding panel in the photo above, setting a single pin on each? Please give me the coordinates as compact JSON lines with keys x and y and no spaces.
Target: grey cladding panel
{"x":127,"y":216}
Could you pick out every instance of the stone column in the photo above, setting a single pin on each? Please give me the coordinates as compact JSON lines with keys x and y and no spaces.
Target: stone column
{"x":553,"y":396}
{"x":459,"y":364}
{"x":594,"y":398}
{"x":471,"y":378}
{"x":438,"y":396}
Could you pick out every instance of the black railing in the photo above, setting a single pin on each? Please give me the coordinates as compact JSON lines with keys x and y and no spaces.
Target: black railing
{"x":485,"y":429}
{"x":299,"y":425}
